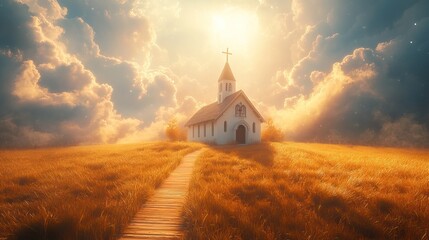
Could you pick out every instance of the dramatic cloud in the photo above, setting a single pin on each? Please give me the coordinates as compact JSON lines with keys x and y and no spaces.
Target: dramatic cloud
{"x":48,"y":96}
{"x":338,"y":90}
{"x":118,"y":30}
{"x":78,"y":72}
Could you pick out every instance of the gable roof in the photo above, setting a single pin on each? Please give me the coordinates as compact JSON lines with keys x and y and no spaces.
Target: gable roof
{"x":226,"y":73}
{"x":215,"y":110}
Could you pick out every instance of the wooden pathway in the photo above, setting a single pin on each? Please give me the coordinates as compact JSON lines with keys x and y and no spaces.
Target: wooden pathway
{"x":161,"y":216}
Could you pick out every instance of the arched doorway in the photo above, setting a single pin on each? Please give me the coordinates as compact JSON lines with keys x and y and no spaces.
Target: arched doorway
{"x":240,"y":135}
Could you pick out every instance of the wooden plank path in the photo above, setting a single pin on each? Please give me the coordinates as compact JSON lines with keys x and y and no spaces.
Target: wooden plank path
{"x":161,"y":216}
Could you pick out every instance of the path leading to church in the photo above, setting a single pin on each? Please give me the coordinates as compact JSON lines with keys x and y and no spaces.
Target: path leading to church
{"x":161,"y":216}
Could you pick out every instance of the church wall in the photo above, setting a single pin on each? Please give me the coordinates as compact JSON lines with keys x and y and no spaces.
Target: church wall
{"x":233,"y":122}
{"x":207,"y":138}
{"x":220,"y":136}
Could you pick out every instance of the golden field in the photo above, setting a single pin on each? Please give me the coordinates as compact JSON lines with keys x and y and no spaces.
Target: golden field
{"x":309,"y":191}
{"x":265,"y":191}
{"x":87,"y":192}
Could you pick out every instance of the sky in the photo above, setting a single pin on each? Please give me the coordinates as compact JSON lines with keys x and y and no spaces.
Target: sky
{"x":116,"y":71}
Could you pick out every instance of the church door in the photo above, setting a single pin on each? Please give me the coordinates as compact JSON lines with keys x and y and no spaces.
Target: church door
{"x":240,"y":135}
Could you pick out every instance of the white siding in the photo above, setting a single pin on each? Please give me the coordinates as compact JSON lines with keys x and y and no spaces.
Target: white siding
{"x":208,"y":138}
{"x":220,"y":137}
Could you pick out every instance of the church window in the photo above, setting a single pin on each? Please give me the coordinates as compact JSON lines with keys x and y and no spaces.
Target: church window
{"x":193,"y":131}
{"x":204,"y":130}
{"x":240,"y":110}
{"x":212,"y":128}
{"x":224,"y":126}
{"x":230,"y":87}
{"x":198,"y":130}
{"x":253,"y":127}
{"x":226,"y":86}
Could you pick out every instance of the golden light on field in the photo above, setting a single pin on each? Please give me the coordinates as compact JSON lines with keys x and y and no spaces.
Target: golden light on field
{"x":309,"y":191}
{"x":92,"y":192}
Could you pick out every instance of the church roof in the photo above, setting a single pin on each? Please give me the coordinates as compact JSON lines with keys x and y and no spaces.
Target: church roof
{"x":226,"y":73}
{"x":215,"y":110}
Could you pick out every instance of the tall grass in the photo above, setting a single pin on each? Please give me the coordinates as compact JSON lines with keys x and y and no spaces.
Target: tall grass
{"x":309,"y":191}
{"x":88,"y":192}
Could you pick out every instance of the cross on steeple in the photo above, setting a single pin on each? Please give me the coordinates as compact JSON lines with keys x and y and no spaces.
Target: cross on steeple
{"x":227,"y":53}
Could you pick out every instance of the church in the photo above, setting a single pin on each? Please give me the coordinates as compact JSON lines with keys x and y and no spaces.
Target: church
{"x":232,"y":119}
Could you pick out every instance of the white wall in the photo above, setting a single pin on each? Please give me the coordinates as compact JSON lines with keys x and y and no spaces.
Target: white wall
{"x":223,"y":91}
{"x":233,"y":122}
{"x":228,"y":137}
{"x":207,"y":138}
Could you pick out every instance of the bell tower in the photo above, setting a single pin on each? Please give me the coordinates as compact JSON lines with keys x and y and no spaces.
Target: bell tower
{"x":226,"y":81}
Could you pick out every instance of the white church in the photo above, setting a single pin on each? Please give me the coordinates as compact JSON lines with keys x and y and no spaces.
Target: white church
{"x":232,"y":119}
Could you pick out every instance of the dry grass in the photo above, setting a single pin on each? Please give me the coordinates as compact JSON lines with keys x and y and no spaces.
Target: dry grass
{"x":309,"y":191}
{"x":88,"y":192}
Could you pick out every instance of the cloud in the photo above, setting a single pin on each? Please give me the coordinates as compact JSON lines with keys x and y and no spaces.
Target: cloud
{"x":355,"y":65}
{"x":15,"y":136}
{"x":48,"y":96}
{"x":76,"y":72}
{"x":302,"y":114}
{"x":137,"y":90}
{"x":404,"y":132}
{"x":115,"y":26}
{"x":65,"y":85}
{"x":48,"y":9}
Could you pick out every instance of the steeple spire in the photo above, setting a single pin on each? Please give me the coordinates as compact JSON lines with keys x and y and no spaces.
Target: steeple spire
{"x":226,"y":73}
{"x":226,"y":80}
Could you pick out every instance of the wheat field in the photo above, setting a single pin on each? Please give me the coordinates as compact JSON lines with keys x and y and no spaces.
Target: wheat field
{"x":309,"y":191}
{"x":86,"y":192}
{"x":264,"y":191}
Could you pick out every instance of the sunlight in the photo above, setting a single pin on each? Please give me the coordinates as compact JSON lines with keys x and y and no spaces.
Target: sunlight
{"x":235,"y":28}
{"x":218,"y":24}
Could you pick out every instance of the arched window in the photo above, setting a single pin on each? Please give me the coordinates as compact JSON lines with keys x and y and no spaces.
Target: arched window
{"x":193,"y":131}
{"x":226,"y":87}
{"x":224,"y":126}
{"x":230,"y":87}
{"x":204,"y":130}
{"x":212,"y":128}
{"x":240,"y":110}
{"x":253,"y":127}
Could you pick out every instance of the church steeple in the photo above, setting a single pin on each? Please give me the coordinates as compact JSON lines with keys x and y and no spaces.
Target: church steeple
{"x":226,"y":73}
{"x":226,"y":80}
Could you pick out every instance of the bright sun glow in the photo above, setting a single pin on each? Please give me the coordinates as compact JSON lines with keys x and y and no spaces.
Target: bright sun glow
{"x":234,"y":28}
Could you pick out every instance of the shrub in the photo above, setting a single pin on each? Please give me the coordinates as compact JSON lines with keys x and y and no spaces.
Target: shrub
{"x":173,"y":132}
{"x":271,"y":133}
